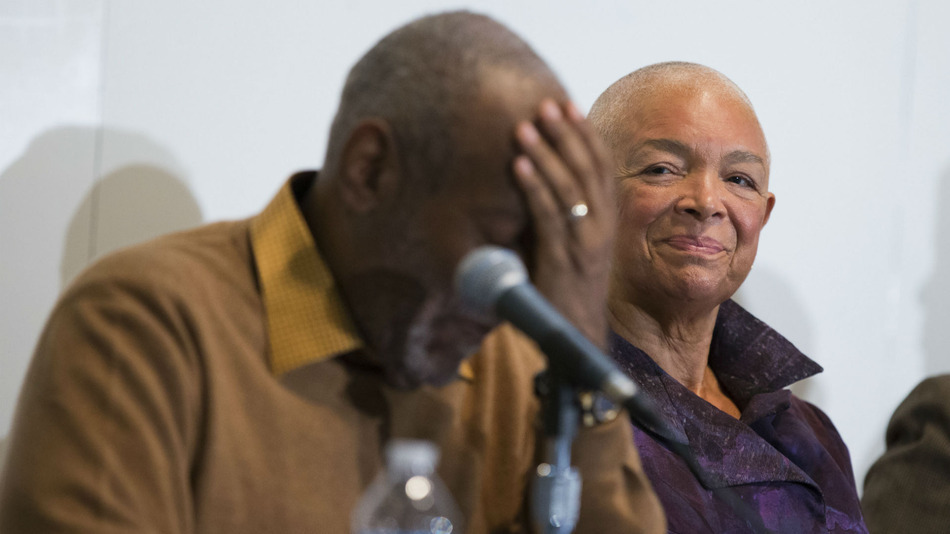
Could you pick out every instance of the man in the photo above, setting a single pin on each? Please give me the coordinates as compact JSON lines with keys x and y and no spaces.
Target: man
{"x":908,"y":487}
{"x":244,"y":377}
{"x":692,"y":168}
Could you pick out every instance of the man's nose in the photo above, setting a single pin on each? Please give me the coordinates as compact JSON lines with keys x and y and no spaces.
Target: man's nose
{"x":701,"y":196}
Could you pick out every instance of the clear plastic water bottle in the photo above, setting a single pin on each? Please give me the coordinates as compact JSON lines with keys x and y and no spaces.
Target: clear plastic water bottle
{"x":408,"y":497}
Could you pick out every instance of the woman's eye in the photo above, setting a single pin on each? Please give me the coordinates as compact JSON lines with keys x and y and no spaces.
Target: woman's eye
{"x":741,"y":180}
{"x":658,"y":170}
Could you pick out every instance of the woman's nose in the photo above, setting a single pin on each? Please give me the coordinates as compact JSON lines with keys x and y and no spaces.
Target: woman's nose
{"x":700,"y":196}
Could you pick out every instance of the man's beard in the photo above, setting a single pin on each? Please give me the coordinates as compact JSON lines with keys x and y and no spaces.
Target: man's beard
{"x":416,"y":334}
{"x":438,"y":338}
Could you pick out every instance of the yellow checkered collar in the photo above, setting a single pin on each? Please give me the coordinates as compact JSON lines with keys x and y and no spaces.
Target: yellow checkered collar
{"x":307,"y":320}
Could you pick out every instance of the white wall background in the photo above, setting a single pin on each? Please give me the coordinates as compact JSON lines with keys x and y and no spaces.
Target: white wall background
{"x":121,"y":120}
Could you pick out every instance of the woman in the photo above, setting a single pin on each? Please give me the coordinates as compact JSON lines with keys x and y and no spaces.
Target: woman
{"x":693,"y":171}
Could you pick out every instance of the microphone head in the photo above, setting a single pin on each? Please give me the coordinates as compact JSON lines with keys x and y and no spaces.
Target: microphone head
{"x":484,"y":274}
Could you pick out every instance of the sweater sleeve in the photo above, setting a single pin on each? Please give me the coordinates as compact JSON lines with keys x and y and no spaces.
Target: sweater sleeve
{"x":616,"y":495}
{"x":907,"y":488}
{"x":106,"y":416}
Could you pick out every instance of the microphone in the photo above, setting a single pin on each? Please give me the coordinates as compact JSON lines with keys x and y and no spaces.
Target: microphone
{"x":493,"y":279}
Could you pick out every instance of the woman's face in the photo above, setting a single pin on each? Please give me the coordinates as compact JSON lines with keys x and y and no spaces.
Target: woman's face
{"x":693,"y":196}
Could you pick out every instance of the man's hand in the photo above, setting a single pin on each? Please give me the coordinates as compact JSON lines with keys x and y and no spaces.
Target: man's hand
{"x":564,"y":173}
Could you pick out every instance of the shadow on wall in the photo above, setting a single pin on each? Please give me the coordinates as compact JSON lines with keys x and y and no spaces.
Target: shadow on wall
{"x":772,"y":299}
{"x":130,"y":205}
{"x":935,"y":295}
{"x":140,"y":196}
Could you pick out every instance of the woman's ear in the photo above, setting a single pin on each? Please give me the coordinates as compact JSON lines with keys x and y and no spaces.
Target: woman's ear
{"x":769,"y":204}
{"x":369,"y":166}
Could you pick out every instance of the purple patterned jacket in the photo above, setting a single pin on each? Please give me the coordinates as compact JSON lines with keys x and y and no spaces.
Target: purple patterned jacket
{"x":783,"y":458}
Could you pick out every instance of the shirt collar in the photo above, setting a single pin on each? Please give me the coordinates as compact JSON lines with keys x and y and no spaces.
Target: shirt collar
{"x":753,"y":363}
{"x":749,"y":358}
{"x":307,"y":320}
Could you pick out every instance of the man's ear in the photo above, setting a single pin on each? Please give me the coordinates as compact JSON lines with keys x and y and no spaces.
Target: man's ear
{"x":369,"y":166}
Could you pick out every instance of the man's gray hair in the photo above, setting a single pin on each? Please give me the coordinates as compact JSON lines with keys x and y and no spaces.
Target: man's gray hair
{"x":421,"y":77}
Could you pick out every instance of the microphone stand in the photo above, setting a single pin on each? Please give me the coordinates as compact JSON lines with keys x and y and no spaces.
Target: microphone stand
{"x":557,"y":488}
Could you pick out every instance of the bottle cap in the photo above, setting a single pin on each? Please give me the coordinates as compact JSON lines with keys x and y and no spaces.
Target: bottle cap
{"x":413,"y":455}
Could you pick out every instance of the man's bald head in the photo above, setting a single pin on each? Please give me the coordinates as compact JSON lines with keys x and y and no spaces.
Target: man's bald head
{"x":648,"y":85}
{"x":419,"y":171}
{"x":423,"y":77}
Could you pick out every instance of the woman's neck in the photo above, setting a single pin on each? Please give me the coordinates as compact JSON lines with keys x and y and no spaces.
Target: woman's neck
{"x":678,"y":342}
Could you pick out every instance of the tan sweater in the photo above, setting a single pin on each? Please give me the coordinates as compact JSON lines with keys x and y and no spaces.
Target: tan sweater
{"x":151,"y":406}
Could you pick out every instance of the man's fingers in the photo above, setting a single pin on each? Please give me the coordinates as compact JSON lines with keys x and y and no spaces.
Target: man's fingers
{"x":601,"y":156}
{"x":548,"y":218}
{"x":546,"y":152}
{"x":600,"y":189}
{"x":568,"y":141}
